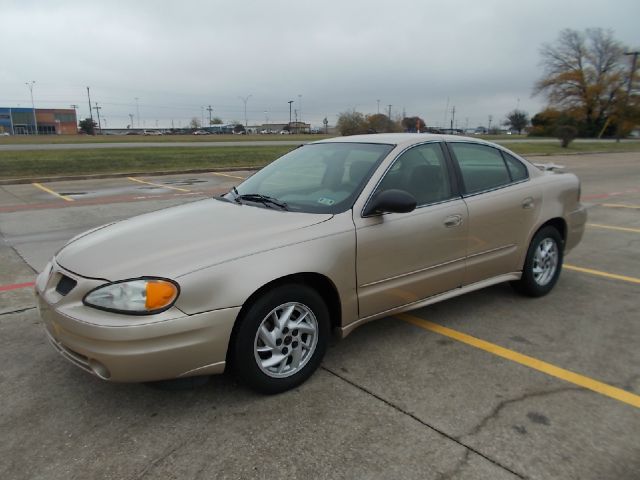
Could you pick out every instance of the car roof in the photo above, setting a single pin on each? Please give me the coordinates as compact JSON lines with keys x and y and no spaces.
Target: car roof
{"x":404,"y":139}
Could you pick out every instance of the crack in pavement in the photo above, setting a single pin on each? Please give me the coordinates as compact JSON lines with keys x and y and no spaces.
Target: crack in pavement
{"x":20,"y":310}
{"x":422,"y":422}
{"x":457,"y":468}
{"x":498,"y":408}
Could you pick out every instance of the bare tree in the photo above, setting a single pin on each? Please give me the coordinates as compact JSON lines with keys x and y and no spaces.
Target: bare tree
{"x":584,"y":75}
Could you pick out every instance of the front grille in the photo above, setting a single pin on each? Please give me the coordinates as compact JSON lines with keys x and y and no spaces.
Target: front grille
{"x":65,"y":285}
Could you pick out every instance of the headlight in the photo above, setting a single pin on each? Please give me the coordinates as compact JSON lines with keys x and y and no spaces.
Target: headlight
{"x":140,"y":296}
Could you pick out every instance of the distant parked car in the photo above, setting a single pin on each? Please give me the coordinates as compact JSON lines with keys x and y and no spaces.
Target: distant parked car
{"x":5,"y":134}
{"x":330,"y":236}
{"x":284,"y":132}
{"x":152,"y":132}
{"x":200,"y":132}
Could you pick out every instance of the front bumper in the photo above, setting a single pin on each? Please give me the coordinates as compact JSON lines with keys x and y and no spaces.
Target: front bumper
{"x":125,"y":348}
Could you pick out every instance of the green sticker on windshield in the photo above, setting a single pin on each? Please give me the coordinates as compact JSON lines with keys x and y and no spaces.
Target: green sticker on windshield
{"x":326,"y":201}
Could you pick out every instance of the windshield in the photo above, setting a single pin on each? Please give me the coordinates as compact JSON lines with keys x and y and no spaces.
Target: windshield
{"x":316,"y":178}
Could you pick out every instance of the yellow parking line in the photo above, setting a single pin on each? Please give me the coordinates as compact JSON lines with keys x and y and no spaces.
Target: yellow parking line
{"x":599,"y":273}
{"x":534,"y":363}
{"x":55,"y":194}
{"x":158,"y":185}
{"x":618,"y":205}
{"x":226,"y":175}
{"x":611,"y":227}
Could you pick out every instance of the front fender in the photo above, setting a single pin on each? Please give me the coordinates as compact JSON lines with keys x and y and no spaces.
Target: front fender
{"x":327,"y":248}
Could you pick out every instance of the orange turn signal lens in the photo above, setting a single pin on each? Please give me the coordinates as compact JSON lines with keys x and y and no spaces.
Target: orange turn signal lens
{"x":160,"y":294}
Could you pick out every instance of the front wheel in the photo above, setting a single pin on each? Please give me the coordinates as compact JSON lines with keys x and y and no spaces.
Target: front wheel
{"x":281,"y":339}
{"x":543,"y":263}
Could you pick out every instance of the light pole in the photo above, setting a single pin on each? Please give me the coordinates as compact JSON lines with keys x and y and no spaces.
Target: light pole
{"x":131,"y":120}
{"x":137,"y":110}
{"x":290,"y":102}
{"x":245,"y":100}
{"x":33,"y":107}
{"x":299,"y":110}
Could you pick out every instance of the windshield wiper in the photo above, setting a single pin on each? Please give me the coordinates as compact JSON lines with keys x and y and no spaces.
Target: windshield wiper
{"x":264,"y":199}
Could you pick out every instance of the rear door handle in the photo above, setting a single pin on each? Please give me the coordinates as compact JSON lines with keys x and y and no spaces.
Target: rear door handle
{"x":528,"y":203}
{"x":453,"y":221}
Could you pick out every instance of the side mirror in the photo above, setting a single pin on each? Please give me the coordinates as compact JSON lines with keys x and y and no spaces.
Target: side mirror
{"x":391,"y":201}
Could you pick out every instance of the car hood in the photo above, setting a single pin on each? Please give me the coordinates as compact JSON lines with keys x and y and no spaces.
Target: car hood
{"x":178,"y":240}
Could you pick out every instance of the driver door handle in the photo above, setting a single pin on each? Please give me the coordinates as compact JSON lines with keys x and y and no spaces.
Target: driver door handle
{"x":453,"y":221}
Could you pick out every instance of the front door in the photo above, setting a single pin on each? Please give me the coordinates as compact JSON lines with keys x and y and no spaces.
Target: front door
{"x":405,"y":257}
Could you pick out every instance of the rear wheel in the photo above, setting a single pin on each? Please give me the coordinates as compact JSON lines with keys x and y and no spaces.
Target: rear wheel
{"x":543,"y":263}
{"x":281,"y":339}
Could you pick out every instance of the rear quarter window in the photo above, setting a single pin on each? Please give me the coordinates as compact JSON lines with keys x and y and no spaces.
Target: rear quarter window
{"x":517,"y":169}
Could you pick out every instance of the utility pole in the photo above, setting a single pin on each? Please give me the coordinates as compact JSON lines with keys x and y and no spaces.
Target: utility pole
{"x":290,"y":102}
{"x":209,"y":109}
{"x":90,"y":109}
{"x":489,"y":129}
{"x":629,"y":87}
{"x":33,"y":106}
{"x":453,"y":116}
{"x":75,"y":109}
{"x":97,"y":109}
{"x":131,"y":120}
{"x":389,"y":111}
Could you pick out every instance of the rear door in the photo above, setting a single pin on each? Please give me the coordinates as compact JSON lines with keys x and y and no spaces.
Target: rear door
{"x":502,"y":204}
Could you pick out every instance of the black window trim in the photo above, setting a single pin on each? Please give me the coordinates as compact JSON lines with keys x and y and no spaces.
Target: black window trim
{"x":458,"y":171}
{"x":456,"y":193}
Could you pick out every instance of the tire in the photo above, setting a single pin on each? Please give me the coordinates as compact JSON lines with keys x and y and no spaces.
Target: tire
{"x":281,"y":339}
{"x":542,"y":264}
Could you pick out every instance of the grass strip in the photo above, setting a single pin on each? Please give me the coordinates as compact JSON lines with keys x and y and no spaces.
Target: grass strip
{"x":25,"y":164}
{"x":35,"y":163}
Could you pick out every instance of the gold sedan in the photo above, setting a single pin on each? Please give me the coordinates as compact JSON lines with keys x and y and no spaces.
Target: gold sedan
{"x":332,"y":235}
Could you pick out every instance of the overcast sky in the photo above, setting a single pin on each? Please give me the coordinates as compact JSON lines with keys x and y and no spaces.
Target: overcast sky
{"x":328,"y":56}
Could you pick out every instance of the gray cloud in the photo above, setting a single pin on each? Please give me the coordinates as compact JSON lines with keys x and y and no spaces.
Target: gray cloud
{"x":179,"y":56}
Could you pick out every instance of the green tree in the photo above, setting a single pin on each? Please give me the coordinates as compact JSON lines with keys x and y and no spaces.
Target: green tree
{"x":351,"y":123}
{"x":88,"y":126}
{"x":194,"y":123}
{"x":517,"y":120}
{"x":413,"y":124}
{"x":584,"y":74}
{"x":379,"y":123}
{"x":216,"y":121}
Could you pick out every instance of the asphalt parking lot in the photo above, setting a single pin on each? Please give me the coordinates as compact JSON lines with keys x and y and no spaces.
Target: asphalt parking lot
{"x":511,"y":387}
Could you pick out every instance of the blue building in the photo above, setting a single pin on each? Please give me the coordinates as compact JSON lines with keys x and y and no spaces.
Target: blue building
{"x":48,"y":121}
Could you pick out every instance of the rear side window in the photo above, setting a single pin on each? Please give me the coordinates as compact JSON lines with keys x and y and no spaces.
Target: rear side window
{"x":482,"y":167}
{"x":516,"y":168}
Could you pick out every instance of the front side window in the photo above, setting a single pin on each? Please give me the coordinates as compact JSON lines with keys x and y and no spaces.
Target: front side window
{"x":421,"y":171}
{"x":317,"y":178}
{"x":482,"y":167}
